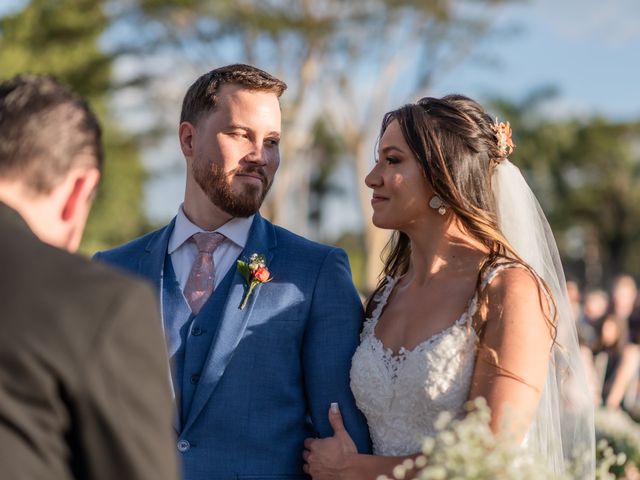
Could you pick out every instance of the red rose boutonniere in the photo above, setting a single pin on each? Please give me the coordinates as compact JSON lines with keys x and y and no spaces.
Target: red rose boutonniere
{"x":254,"y":273}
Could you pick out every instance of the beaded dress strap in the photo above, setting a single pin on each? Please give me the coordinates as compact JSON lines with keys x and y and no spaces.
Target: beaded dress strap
{"x":497,"y":267}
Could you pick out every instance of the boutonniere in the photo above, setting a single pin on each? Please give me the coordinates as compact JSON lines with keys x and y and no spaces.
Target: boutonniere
{"x":254,"y":273}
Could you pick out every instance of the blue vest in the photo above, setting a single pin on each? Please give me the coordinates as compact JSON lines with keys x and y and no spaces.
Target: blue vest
{"x":189,"y":337}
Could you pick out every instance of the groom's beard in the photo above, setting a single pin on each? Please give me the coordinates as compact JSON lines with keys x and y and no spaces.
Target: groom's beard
{"x":216,"y":184}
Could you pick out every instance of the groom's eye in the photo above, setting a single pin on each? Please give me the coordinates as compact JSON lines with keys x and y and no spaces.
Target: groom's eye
{"x":273,"y":142}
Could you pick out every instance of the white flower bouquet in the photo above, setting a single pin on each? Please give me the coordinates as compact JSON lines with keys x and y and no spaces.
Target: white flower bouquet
{"x":466,"y":449}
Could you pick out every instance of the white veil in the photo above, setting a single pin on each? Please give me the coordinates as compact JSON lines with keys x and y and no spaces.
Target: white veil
{"x":562,"y":429}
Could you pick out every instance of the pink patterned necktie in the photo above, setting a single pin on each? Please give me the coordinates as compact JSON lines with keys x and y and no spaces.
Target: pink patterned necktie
{"x":203,"y":275}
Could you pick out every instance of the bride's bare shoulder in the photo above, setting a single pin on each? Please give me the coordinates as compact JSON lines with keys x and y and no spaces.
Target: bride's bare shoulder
{"x":513,"y":280}
{"x":518,"y":304}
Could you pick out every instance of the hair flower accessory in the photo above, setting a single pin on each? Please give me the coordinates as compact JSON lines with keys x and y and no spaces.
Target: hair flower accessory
{"x":505,"y":143}
{"x":254,"y":272}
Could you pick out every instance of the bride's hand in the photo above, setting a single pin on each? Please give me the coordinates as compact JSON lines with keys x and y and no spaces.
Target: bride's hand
{"x":328,"y":458}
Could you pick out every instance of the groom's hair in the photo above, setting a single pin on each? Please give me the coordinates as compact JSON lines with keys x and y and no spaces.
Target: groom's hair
{"x":202,"y":98}
{"x":45,"y":131}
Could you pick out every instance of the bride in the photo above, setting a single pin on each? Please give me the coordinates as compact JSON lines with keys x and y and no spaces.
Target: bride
{"x":472,"y":302}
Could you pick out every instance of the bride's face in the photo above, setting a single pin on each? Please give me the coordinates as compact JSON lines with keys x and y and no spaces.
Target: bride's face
{"x":400,"y":191}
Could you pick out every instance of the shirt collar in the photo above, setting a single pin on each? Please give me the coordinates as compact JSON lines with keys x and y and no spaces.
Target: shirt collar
{"x":236,"y":230}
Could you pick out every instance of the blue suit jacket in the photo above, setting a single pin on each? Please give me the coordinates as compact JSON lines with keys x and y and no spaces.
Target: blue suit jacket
{"x":275,"y":366}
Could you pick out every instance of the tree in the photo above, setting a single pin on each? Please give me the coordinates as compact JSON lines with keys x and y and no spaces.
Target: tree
{"x":600,"y":171}
{"x":62,"y":38}
{"x":586,"y":174}
{"x":326,"y":150}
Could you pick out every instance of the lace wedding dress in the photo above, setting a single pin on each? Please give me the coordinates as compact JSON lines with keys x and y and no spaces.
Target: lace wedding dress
{"x":403,"y":393}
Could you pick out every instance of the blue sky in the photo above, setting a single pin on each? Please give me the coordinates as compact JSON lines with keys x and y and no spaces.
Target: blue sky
{"x":589,"y":49}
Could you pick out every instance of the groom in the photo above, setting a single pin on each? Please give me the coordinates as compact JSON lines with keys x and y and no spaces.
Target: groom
{"x":258,"y":353}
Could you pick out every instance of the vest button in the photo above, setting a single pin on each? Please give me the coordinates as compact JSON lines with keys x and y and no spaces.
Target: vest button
{"x":195,"y":378}
{"x":196,"y":331}
{"x":183,"y":446}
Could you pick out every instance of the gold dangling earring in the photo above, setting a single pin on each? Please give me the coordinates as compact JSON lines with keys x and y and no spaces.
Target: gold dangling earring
{"x":437,"y":204}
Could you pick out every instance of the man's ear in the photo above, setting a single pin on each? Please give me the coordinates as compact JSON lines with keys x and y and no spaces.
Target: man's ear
{"x":186,"y":134}
{"x":82,"y":185}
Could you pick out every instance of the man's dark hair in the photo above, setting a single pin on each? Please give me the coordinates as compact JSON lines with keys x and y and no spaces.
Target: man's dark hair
{"x":202,"y":98}
{"x":45,"y":131}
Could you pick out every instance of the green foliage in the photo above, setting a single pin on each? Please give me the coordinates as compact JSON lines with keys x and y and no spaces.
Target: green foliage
{"x":622,"y":433}
{"x":353,"y":244}
{"x":325,"y":152}
{"x":602,"y":172}
{"x":586,"y":175}
{"x":62,"y":38}
{"x":117,"y":215}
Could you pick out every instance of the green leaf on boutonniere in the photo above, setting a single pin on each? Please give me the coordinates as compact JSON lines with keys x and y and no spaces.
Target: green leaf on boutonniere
{"x":243,"y":269}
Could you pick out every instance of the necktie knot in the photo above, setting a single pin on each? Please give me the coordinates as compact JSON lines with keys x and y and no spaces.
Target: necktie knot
{"x":207,"y":242}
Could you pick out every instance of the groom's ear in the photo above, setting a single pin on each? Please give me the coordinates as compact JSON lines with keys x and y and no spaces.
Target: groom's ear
{"x":186,"y":134}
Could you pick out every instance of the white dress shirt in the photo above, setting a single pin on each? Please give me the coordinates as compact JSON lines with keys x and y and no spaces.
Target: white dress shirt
{"x":183,"y":252}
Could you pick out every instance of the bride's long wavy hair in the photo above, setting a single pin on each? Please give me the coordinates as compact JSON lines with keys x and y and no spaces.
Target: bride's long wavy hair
{"x":455,"y":141}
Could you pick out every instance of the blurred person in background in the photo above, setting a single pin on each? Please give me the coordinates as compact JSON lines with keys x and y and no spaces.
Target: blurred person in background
{"x":621,"y":344}
{"x":575,"y":297}
{"x":593,"y":313}
{"x":589,"y":325}
{"x":84,"y":390}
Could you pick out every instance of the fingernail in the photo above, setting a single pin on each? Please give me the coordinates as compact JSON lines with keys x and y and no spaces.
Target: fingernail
{"x":334,"y":407}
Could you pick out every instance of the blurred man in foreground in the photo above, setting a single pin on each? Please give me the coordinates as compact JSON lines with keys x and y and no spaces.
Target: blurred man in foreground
{"x":84,"y":385}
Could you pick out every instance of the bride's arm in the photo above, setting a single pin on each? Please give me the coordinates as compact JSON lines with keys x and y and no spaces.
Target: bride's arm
{"x":336,"y":457}
{"x":514,"y":350}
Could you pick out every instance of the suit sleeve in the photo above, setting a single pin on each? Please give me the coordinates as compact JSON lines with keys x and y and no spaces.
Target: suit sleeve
{"x":125,"y":417}
{"x":332,"y":335}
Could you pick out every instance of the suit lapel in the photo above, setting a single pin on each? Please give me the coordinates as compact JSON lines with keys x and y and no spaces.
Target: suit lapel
{"x":152,"y":261}
{"x":151,"y":266}
{"x":234,"y":320}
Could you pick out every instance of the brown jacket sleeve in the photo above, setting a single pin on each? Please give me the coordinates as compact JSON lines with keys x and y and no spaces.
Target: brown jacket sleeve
{"x":125,"y":417}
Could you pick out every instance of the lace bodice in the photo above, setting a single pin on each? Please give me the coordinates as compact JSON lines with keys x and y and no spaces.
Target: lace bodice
{"x":402,"y":394}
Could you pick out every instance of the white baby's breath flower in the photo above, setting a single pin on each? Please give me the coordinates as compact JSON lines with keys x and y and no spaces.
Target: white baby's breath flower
{"x":467,"y":449}
{"x":443,"y":420}
{"x":408,"y":464}
{"x":421,"y":460}
{"x":618,"y":439}
{"x":448,"y":438}
{"x":428,"y":445}
{"x":399,"y":472}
